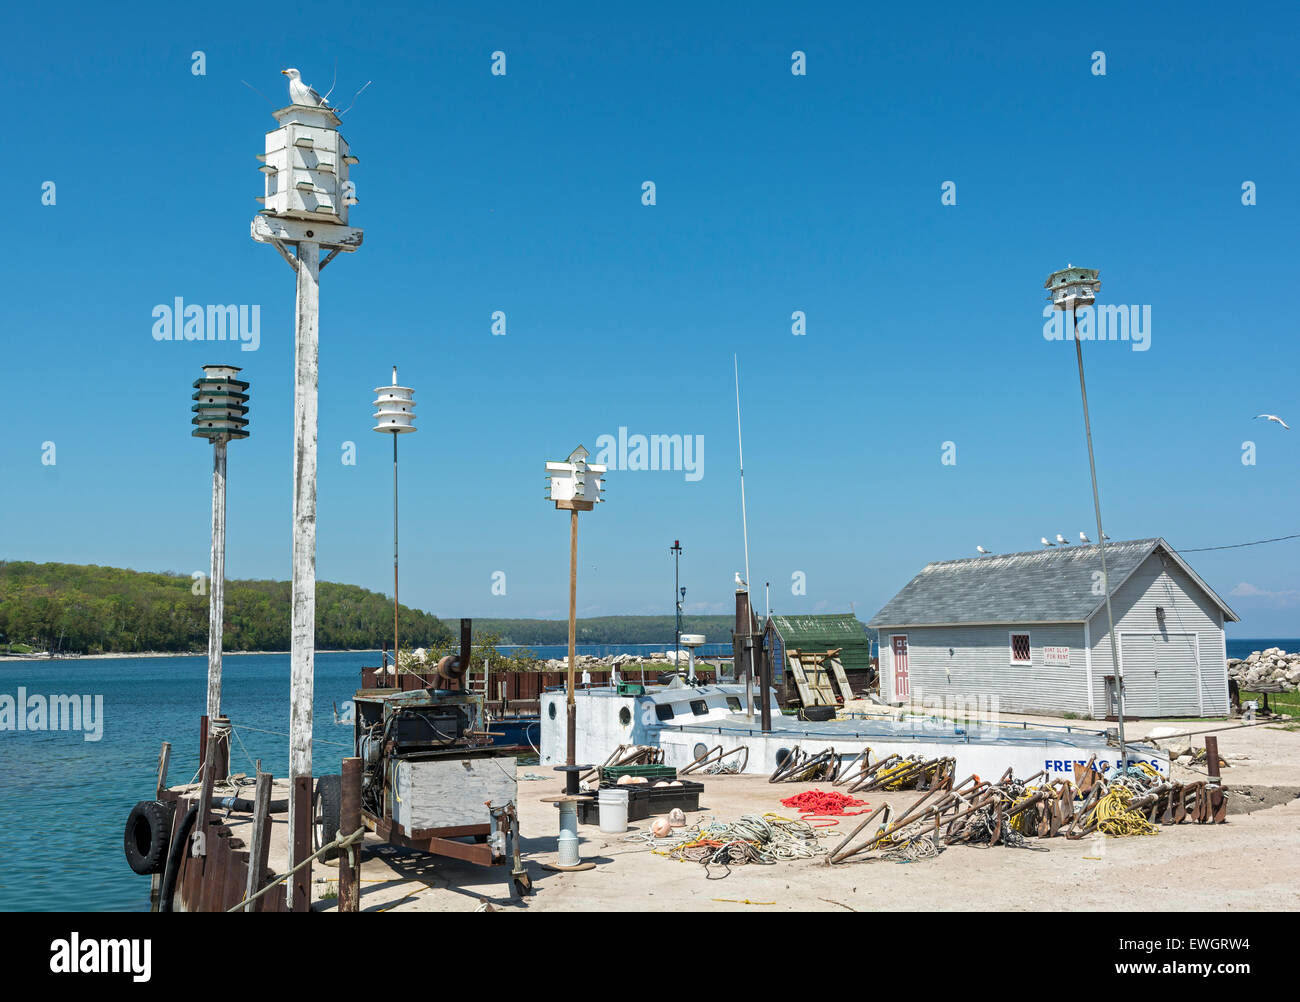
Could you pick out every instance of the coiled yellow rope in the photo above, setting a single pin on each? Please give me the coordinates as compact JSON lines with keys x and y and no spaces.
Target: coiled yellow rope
{"x":1114,"y":816}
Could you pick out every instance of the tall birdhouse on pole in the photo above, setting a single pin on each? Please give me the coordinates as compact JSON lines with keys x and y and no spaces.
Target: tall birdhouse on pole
{"x":395,"y":414}
{"x":305,"y":207}
{"x":1068,"y":289}
{"x":575,"y":485}
{"x":220,"y":405}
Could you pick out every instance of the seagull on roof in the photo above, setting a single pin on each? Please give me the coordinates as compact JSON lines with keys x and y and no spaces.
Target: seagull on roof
{"x":1062,"y":540}
{"x":1083,"y":538}
{"x":1046,"y":543}
{"x":1274,"y":417}
{"x":981,"y":549}
{"x":301,"y":93}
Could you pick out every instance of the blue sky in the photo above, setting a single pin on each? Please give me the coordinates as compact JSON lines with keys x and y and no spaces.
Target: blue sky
{"x":775,"y":193}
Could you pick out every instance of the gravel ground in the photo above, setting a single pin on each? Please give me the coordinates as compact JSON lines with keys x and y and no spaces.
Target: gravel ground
{"x":1250,"y":863}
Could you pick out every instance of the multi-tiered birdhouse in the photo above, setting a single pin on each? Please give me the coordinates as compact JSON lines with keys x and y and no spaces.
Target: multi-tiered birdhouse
{"x":220,"y":404}
{"x":1072,"y":287}
{"x":306,"y":166}
{"x":575,"y":483}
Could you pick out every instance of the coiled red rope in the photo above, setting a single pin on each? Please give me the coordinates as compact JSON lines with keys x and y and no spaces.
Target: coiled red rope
{"x":824,"y":804}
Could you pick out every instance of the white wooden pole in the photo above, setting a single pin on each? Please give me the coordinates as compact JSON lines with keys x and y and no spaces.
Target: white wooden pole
{"x":217,"y":579}
{"x":303,"y":635}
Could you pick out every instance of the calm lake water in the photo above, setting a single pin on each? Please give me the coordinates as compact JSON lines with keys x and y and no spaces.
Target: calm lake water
{"x":64,"y":800}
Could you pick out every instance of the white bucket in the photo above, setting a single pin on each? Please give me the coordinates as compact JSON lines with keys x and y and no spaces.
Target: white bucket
{"x":613,"y":811}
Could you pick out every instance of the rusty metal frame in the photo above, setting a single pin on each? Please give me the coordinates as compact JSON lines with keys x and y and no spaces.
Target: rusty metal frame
{"x":437,"y":841}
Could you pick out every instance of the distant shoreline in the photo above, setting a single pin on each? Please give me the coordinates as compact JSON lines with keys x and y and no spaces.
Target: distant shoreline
{"x":117,"y":656}
{"x":19,"y":658}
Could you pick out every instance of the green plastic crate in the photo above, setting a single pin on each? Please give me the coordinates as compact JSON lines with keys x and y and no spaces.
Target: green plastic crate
{"x":614,"y":773}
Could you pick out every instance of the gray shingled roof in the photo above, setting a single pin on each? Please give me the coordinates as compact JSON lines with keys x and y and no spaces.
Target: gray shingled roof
{"x":1053,"y":585}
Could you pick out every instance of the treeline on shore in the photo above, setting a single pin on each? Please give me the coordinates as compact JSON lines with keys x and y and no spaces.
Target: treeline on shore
{"x":88,"y":609}
{"x":106,"y":610}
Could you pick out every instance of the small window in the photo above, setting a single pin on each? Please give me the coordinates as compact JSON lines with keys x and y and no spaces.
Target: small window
{"x":699,"y":707}
{"x":624,"y":716}
{"x":1020,"y":649}
{"x":664,"y":711}
{"x":733,"y":702}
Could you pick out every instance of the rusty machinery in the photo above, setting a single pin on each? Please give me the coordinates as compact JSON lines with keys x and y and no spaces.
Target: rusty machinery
{"x":432,"y":779}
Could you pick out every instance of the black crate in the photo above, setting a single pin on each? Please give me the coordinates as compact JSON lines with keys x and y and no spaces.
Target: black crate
{"x":645,"y":800}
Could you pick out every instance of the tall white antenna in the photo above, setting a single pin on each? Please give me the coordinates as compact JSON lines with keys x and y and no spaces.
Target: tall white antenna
{"x":740,"y":445}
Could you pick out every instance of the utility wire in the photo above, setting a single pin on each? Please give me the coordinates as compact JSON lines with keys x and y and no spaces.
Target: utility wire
{"x":1237,"y":546}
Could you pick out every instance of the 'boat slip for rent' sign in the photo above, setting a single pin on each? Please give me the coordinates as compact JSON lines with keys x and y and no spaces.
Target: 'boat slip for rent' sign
{"x":1056,"y":655}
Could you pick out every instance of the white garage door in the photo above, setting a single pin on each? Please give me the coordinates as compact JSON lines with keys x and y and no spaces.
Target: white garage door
{"x":1161,"y":674}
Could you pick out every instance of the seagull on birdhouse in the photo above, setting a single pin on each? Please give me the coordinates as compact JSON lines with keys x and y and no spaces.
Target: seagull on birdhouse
{"x":1274,"y":417}
{"x":1062,"y":540}
{"x":301,"y":93}
{"x":1083,"y":538}
{"x":1046,"y":543}
{"x":981,"y":549}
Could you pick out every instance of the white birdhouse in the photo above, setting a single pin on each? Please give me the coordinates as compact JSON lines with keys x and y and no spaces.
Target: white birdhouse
{"x":306,"y":167}
{"x":1071,"y":287}
{"x":575,"y":480}
{"x":394,"y":408}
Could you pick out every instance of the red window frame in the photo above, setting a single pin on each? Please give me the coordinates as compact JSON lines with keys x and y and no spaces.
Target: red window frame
{"x":1021,"y":654}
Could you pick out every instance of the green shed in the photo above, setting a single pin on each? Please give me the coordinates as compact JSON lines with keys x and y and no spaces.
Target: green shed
{"x":819,"y":633}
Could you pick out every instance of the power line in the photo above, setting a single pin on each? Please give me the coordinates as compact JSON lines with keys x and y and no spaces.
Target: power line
{"x":1237,"y":546}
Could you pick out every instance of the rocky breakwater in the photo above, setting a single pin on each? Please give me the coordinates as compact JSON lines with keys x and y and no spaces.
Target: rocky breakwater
{"x":1271,"y":668}
{"x":658,"y":661}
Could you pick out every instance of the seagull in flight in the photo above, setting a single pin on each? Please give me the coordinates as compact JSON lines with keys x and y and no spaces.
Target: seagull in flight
{"x":1274,"y":417}
{"x":301,"y":93}
{"x":1062,"y":540}
{"x":1046,"y":543}
{"x":981,"y":549}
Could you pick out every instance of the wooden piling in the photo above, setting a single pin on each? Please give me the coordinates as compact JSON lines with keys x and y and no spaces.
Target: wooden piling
{"x":205,"y":794}
{"x":164,"y":761}
{"x":300,"y":808}
{"x":1216,"y":788}
{"x":259,"y":846}
{"x":350,"y":821}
